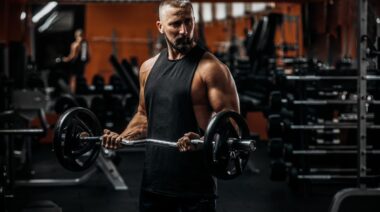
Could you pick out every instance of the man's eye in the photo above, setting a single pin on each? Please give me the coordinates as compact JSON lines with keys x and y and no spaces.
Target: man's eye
{"x":176,"y":24}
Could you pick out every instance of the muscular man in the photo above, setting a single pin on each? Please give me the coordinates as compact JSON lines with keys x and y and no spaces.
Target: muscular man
{"x":77,"y":58}
{"x":181,"y":88}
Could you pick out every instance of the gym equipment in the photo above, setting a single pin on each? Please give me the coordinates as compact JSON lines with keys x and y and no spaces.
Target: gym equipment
{"x":8,"y":116}
{"x":125,"y":76}
{"x":98,"y":83}
{"x":65,"y":102}
{"x":317,"y":78}
{"x":82,"y":102}
{"x":331,"y":126}
{"x":81,"y":86}
{"x":129,"y":69}
{"x":289,"y":151}
{"x":103,"y":164}
{"x":281,"y":170}
{"x":276,"y":147}
{"x":77,"y":142}
{"x":338,"y":174}
{"x":13,"y":123}
{"x":362,"y":50}
{"x":278,"y":170}
{"x":275,"y":126}
{"x":117,"y":84}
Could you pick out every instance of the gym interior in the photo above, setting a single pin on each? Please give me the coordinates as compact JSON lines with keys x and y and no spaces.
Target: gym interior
{"x":306,"y":74}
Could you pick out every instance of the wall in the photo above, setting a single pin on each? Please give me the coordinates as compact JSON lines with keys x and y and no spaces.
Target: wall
{"x":134,"y":26}
{"x":131,"y":23}
{"x":290,"y":32}
{"x":333,"y":29}
{"x":11,"y":27}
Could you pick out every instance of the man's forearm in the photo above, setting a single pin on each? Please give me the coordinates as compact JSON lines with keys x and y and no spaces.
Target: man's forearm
{"x":137,"y":126}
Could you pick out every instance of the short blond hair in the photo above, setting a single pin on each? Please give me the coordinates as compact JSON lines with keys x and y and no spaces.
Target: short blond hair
{"x":173,"y":3}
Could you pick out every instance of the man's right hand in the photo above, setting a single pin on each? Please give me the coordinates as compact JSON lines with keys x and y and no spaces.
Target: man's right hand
{"x":111,"y":140}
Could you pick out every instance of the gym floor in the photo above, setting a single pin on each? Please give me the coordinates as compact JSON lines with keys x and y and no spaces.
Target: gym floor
{"x":250,"y":192}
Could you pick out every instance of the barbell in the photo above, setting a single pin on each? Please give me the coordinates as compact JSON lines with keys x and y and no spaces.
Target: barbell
{"x":226,"y":146}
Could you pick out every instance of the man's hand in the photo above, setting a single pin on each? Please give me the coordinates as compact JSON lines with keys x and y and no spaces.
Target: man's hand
{"x":111,"y":140}
{"x":184,"y":142}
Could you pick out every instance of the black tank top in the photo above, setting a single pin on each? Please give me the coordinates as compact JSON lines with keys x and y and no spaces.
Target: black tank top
{"x":170,"y":115}
{"x":83,"y":54}
{"x":79,"y":63}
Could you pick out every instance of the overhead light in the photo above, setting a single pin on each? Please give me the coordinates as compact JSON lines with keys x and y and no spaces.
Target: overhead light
{"x":238,"y":9}
{"x":196,"y":11}
{"x":22,"y":15}
{"x":221,"y":11}
{"x":49,"y":21}
{"x":207,"y":12}
{"x":260,"y":6}
{"x":48,"y":7}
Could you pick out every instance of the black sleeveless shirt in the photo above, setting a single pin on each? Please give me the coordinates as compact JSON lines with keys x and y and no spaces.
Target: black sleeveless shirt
{"x":170,"y":115}
{"x":80,"y":61}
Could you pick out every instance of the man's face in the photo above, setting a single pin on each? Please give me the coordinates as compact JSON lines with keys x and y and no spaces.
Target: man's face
{"x":177,"y":24}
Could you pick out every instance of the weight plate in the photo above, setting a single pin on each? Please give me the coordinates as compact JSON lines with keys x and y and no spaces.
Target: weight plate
{"x":71,"y":152}
{"x":222,"y":159}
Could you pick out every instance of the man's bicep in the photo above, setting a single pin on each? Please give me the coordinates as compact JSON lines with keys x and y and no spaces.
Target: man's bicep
{"x":222,"y":91}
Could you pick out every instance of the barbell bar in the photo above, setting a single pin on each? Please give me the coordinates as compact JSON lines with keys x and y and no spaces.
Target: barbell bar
{"x":226,"y":146}
{"x":243,"y":144}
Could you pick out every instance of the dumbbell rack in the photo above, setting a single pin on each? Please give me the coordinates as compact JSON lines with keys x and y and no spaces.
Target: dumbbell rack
{"x":307,"y":150}
{"x":361,"y":173}
{"x":361,"y":190}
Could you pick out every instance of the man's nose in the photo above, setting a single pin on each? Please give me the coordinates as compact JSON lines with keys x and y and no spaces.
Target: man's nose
{"x":183,"y":29}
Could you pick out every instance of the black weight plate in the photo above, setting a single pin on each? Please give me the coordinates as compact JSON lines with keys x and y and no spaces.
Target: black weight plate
{"x":220,"y":157}
{"x":73,"y":154}
{"x":64,"y":103}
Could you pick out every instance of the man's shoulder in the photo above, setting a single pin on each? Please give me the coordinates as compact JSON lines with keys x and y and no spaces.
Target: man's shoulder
{"x":147,"y":65}
{"x":210,"y":62}
{"x":211,"y":69}
{"x":75,"y":44}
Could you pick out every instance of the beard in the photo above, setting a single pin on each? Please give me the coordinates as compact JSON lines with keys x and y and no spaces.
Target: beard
{"x":182,"y":44}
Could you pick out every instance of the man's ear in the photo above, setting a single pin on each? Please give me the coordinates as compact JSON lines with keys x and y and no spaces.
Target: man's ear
{"x":159,"y":27}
